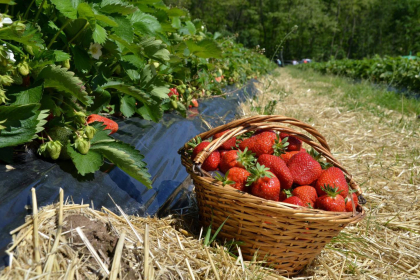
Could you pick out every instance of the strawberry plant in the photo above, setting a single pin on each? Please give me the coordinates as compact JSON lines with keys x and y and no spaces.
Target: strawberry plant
{"x":65,"y":64}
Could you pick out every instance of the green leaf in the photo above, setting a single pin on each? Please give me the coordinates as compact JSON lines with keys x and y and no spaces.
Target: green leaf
{"x":154,"y":49}
{"x":151,"y":112}
{"x":188,"y":29}
{"x":124,"y":29}
{"x":85,"y":164}
{"x":61,"y":56}
{"x":128,"y":106}
{"x":101,"y":135}
{"x":30,"y":37}
{"x":99,"y":34}
{"x":160,"y":92}
{"x":23,"y":122}
{"x":204,"y":49}
{"x":145,"y":24}
{"x":107,"y":20}
{"x":127,"y":158}
{"x":101,"y":99}
{"x":81,"y":59}
{"x":66,"y":8}
{"x":176,"y":22}
{"x":117,"y":6}
{"x":176,"y":12}
{"x":27,"y":96}
{"x":59,"y":78}
{"x":129,"y":90}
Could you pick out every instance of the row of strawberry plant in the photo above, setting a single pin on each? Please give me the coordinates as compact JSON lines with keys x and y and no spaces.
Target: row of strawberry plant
{"x":64,"y":61}
{"x":398,"y":71}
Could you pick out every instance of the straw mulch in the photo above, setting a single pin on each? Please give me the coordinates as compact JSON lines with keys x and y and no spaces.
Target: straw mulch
{"x":381,"y":149}
{"x":103,"y":245}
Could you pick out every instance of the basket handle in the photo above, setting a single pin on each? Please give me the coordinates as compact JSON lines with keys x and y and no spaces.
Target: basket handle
{"x":268,"y":122}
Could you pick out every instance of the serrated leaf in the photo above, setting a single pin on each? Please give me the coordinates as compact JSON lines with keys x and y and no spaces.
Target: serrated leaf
{"x":124,"y":29}
{"x":128,"y":106}
{"x":30,"y":37}
{"x":204,"y":49}
{"x":145,"y":24}
{"x":81,"y":59}
{"x":129,"y":90}
{"x":154,"y":49}
{"x":66,"y":8}
{"x":102,"y":134}
{"x":101,"y":99}
{"x":127,"y":158}
{"x":85,"y":164}
{"x":151,"y":112}
{"x":23,"y":122}
{"x":27,"y":95}
{"x":116,"y":6}
{"x":107,"y":20}
{"x":99,"y":34}
{"x":59,"y":78}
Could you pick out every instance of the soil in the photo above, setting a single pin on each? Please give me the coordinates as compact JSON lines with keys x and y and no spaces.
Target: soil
{"x":101,"y":238}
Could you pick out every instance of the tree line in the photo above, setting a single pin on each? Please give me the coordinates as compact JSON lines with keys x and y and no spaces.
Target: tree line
{"x":326,"y":28}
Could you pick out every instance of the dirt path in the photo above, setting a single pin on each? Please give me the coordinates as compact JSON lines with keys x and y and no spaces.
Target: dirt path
{"x":382,"y":152}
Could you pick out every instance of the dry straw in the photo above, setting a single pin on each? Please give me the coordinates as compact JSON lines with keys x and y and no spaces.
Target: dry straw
{"x":287,"y":237}
{"x":140,"y":248}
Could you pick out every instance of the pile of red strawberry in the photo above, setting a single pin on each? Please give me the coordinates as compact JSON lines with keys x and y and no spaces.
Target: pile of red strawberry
{"x":276,"y":167}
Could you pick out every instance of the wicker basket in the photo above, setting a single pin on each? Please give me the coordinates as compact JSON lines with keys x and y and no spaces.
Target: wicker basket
{"x":286,"y":236}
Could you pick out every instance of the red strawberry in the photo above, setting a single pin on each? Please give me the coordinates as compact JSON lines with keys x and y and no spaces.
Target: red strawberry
{"x":263,"y":143}
{"x":264,"y":183}
{"x":212,"y":161}
{"x":229,"y":144}
{"x":194,"y":102}
{"x":173,"y":91}
{"x":331,"y":201}
{"x":295,"y":200}
{"x":110,"y":124}
{"x":246,"y":143}
{"x":218,"y":79}
{"x":279,"y":168}
{"x":294,"y":143}
{"x":236,"y":158}
{"x":236,"y":177}
{"x":349,"y":206}
{"x":304,"y":168}
{"x":284,"y":194}
{"x":334,"y":177}
{"x":288,"y":155}
{"x":307,"y":194}
{"x":223,"y":152}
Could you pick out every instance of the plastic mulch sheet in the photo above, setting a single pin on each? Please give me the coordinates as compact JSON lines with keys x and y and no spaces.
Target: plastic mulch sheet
{"x":158,"y":142}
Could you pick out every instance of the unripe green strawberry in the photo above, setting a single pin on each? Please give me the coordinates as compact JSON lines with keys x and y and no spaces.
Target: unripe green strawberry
{"x":82,"y":145}
{"x":23,"y":68}
{"x":54,"y":149}
{"x":6,"y":80}
{"x":80,"y":117}
{"x":29,"y":49}
{"x":90,"y":132}
{"x":66,"y":63}
{"x":174,"y":103}
{"x":61,"y":134}
{"x":118,"y":70}
{"x":3,"y":97}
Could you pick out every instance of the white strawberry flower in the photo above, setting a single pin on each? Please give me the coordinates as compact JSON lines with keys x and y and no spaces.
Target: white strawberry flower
{"x":95,"y":50}
{"x":10,"y":55}
{"x":5,"y":20}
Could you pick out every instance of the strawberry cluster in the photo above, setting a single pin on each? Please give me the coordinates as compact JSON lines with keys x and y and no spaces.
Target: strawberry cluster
{"x":276,"y":167}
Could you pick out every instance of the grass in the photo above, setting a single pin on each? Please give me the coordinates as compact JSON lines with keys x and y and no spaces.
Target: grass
{"x":363,"y":95}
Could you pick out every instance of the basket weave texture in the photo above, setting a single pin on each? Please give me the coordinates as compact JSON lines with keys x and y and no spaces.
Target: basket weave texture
{"x":286,"y":236}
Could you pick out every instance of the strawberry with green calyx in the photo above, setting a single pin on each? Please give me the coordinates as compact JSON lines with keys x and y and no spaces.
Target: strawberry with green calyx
{"x":54,"y":149}
{"x":295,"y":144}
{"x":23,"y":68}
{"x":89,"y":132}
{"x":42,"y":150}
{"x":82,"y":145}
{"x":288,"y":155}
{"x":263,"y":183}
{"x":280,"y":146}
{"x":260,"y":144}
{"x":279,"y":168}
{"x":285,"y":194}
{"x":347,"y":200}
{"x":295,"y":200}
{"x":236,"y":177}
{"x":236,"y":158}
{"x":307,"y":194}
{"x":109,"y":124}
{"x":331,"y":201}
{"x":227,"y":145}
{"x":318,"y":157}
{"x":304,"y":168}
{"x":194,"y":142}
{"x":62,"y":134}
{"x":80,"y":117}
{"x":332,"y":176}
